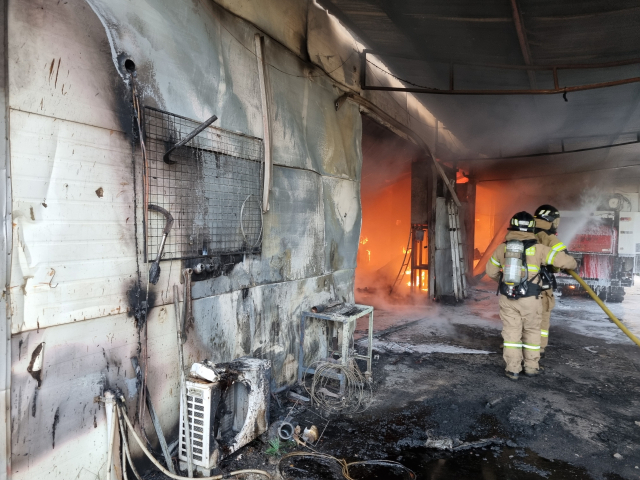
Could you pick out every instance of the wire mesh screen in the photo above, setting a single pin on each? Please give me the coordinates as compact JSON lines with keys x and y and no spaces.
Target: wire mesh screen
{"x":212,"y":190}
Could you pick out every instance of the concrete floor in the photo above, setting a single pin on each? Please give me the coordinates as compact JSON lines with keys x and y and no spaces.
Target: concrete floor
{"x":443,"y":364}
{"x":438,"y":375}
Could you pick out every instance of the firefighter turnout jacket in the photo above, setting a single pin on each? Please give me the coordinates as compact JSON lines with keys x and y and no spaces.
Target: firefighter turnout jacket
{"x":550,"y":240}
{"x":548,"y":299}
{"x":521,"y":318}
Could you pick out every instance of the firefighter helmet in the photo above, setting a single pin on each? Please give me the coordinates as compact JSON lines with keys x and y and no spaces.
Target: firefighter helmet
{"x":547,"y":213}
{"x":522,"y":222}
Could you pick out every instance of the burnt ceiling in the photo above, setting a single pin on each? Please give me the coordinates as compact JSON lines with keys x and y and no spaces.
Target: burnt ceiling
{"x":480,"y":42}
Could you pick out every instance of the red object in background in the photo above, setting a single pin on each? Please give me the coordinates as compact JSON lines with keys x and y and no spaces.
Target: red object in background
{"x":595,"y":239}
{"x":596,"y":266}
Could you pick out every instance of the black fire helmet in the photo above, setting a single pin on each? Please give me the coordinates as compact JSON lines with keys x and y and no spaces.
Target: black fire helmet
{"x":522,"y":222}
{"x":547,"y":213}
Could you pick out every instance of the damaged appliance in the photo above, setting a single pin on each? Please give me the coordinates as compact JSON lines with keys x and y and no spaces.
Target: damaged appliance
{"x":227,"y":407}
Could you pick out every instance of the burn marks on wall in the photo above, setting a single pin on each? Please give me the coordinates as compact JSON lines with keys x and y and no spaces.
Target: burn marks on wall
{"x":56,"y":420}
{"x":55,"y":410}
{"x":139,"y":301}
{"x":35,"y":365}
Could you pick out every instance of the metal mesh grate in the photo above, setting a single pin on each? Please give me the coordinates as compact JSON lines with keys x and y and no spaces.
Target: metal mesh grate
{"x":212,"y":190}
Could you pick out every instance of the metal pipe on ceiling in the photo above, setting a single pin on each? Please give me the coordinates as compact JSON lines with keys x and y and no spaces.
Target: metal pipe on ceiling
{"x":533,"y":91}
{"x":547,"y":154}
{"x":550,"y":67}
{"x":552,"y":91}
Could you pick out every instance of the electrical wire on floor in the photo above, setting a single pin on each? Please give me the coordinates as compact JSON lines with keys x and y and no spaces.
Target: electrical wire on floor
{"x":344,"y":465}
{"x":356,"y":397}
{"x":122,"y":415}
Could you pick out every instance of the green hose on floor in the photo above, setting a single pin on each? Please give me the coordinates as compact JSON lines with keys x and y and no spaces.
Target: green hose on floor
{"x":604,"y":307}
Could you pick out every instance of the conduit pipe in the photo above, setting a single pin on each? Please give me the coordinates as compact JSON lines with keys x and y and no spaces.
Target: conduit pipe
{"x":606,"y":310}
{"x":167,"y":472}
{"x":266,"y":122}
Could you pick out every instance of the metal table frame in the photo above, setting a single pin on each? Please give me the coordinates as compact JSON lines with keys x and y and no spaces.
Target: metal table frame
{"x":346,"y":322}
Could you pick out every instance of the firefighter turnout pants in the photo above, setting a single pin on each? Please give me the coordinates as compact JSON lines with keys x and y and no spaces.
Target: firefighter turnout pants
{"x":548,"y":302}
{"x":521,"y":332}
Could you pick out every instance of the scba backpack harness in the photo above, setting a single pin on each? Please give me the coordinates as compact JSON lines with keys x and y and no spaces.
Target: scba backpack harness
{"x":514,"y":282}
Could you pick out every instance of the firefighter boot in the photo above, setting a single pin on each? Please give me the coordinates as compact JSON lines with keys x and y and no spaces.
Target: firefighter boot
{"x":511,"y":375}
{"x":530,"y":372}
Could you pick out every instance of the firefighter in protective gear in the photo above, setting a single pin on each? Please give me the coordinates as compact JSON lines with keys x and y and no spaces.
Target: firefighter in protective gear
{"x":521,"y":305}
{"x":547,"y":221}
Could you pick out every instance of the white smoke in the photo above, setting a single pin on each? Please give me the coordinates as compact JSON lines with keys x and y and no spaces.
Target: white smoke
{"x":590,"y":200}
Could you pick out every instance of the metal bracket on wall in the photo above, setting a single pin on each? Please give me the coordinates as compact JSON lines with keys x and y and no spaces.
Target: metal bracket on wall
{"x":186,"y":139}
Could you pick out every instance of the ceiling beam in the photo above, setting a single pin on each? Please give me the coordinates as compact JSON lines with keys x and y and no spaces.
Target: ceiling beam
{"x":522,"y":39}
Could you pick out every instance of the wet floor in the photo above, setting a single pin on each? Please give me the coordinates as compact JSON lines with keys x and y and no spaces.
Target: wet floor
{"x":490,"y":463}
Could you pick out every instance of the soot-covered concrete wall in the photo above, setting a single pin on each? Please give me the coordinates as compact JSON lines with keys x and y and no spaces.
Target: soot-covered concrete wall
{"x":77,"y":230}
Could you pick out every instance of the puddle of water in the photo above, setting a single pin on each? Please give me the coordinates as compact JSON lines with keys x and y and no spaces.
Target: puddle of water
{"x":481,"y":464}
{"x":489,"y":464}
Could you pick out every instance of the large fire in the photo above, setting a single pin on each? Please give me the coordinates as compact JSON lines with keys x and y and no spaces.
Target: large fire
{"x":384,"y":252}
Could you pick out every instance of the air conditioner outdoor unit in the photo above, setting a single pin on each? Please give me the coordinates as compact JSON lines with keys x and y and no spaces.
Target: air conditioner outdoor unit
{"x":227,"y":407}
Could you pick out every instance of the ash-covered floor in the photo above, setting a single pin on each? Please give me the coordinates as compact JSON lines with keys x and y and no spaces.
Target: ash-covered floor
{"x":438,"y":380}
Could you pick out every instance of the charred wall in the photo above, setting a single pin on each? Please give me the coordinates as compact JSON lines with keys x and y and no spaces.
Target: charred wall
{"x":78,"y":237}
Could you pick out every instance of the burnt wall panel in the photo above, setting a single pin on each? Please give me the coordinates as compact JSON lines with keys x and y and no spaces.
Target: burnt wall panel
{"x":342,"y":223}
{"x":195,"y":60}
{"x":307,"y":131}
{"x":77,"y":182}
{"x":267,"y":322}
{"x":284,"y":20}
{"x":60,"y":64}
{"x":74,"y":236}
{"x":294,"y":228}
{"x":326,"y":34}
{"x":59,"y":419}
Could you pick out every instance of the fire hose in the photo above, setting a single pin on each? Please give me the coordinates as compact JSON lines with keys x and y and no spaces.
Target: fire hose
{"x":606,"y":310}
